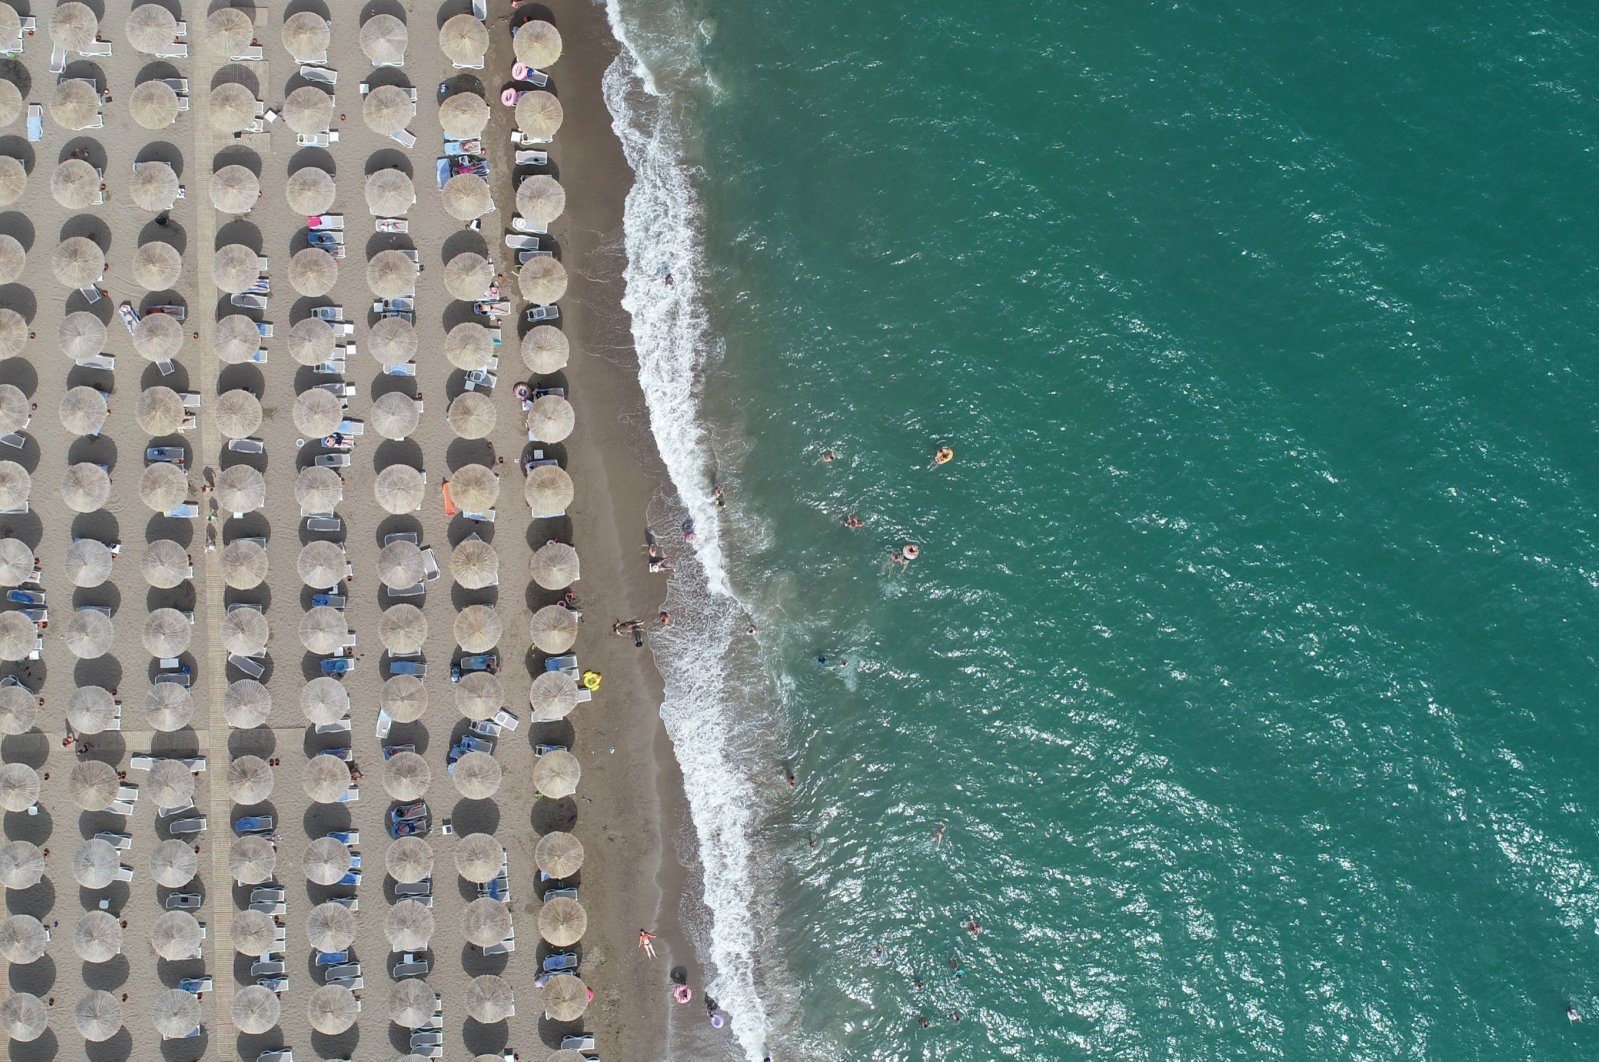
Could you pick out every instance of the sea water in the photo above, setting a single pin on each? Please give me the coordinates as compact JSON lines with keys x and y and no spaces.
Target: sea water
{"x":1248,"y":662}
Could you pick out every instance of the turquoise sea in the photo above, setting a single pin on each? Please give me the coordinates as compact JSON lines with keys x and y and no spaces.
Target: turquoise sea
{"x":1250,"y":655}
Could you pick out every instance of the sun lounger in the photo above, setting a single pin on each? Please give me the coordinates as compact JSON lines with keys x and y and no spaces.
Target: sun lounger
{"x":97,"y":49}
{"x":320,"y":74}
{"x":247,"y":446}
{"x":120,"y":841}
{"x":186,"y":511}
{"x":250,"y":665}
{"x":407,"y":369}
{"x":321,"y":140}
{"x":340,"y":727}
{"x":532,"y":158}
{"x":176,"y":51}
{"x":124,"y":874}
{"x":36,"y":121}
{"x":252,"y":54}
{"x":324,"y":522}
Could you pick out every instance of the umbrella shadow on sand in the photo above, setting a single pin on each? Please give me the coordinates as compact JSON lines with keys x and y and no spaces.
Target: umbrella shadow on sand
{"x":106,"y":976}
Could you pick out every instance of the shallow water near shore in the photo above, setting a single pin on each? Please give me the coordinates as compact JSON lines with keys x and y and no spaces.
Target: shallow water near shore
{"x":1248,"y":656}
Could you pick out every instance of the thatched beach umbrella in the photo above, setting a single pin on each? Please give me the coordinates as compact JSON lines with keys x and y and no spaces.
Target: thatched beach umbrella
{"x":250,"y":779}
{"x":548,"y":490}
{"x":236,"y":338}
{"x":311,"y":341}
{"x":176,"y":935}
{"x":10,"y":95}
{"x":383,"y":40}
{"x":563,"y":921}
{"x":90,"y":709}
{"x":21,"y":865}
{"x":13,"y":258}
{"x":556,"y":774}
{"x":238,"y":415}
{"x":475,"y":488}
{"x":97,"y":937}
{"x":540,"y":198}
{"x":394,"y":415}
{"x":74,"y":104}
{"x":23,"y":939}
{"x":539,"y":115}
{"x":389,"y":193}
{"x":18,"y":710}
{"x":387,"y":109}
{"x":151,"y":30}
{"x":476,"y":775}
{"x":308,"y":109}
{"x":244,"y":632}
{"x":392,"y":341}
{"x":409,"y":859}
{"x":84,"y":410}
{"x":475,"y":565}
{"x":313,"y":272}
{"x":306,"y":36}
{"x":542,"y":280}
{"x":73,"y":26}
{"x":240,"y":489}
{"x":391,"y":274}
{"x":159,"y":412}
{"x":324,"y":700}
{"x":560,"y":855}
{"x":24,"y":1017}
{"x":555,"y":566}
{"x":167,"y":632}
{"x":75,"y":184}
{"x":409,"y":925}
{"x":400,"y":565}
{"x":165,"y":563}
{"x":545,"y":349}
{"x":322,"y":565}
{"x":317,"y":412}
{"x":235,"y":268}
{"x":94,"y":864}
{"x":332,"y":1009}
{"x":412,"y":1001}
{"x":18,"y":636}
{"x":16,"y":562}
{"x":490,"y":998}
{"x":477,"y":858}
{"x":318,"y":490}
{"x":467,"y":196}
{"x":19,"y":787}
{"x":565,"y":997}
{"x":477,"y":628}
{"x":13,"y":180}
{"x":468,"y":275}
{"x":158,"y":336}
{"x":78,"y":262}
{"x":399,"y":489}
{"x":330,"y":926}
{"x":246,"y":704}
{"x":88,"y":634}
{"x":98,"y":1015}
{"x":173,"y":864}
{"x":323,"y":630}
{"x":163,"y":486}
{"x":171,"y":784}
{"x":232,"y":107}
{"x":153,"y":104}
{"x":256,"y":1009}
{"x":403,"y":629}
{"x":13,"y":333}
{"x":326,"y":779}
{"x":234,"y":190}
{"x":252,"y":860}
{"x":327,"y":859}
{"x":478,"y":695}
{"x":551,"y":419}
{"x":404,"y":698}
{"x":463,"y":115}
{"x":486,"y":921}
{"x":469,"y":346}
{"x":310,"y":191}
{"x":254,"y":932}
{"x":85,"y":487}
{"x":406,"y":776}
{"x":464,"y":40}
{"x":229,"y":30}
{"x":168,"y":707}
{"x":553,"y":629}
{"x":552,"y":696}
{"x":244,"y":564}
{"x":536,"y":44}
{"x":14,"y":411}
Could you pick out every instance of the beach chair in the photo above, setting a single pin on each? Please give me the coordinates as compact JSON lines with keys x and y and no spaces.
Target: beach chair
{"x":522,"y":224}
{"x":325,"y":522}
{"x":247,"y":446}
{"x":58,"y":61}
{"x":35,"y":122}
{"x":97,"y":49}
{"x":252,"y":54}
{"x":320,"y":74}
{"x":124,"y":874}
{"x":342,"y":726}
{"x":250,"y":665}
{"x":120,"y":841}
{"x":177,"y":51}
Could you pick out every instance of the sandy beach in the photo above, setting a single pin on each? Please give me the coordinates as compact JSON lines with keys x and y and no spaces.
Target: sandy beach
{"x":628,"y":802}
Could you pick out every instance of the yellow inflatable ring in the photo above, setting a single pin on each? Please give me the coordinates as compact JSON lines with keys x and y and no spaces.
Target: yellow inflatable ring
{"x":591,"y":680}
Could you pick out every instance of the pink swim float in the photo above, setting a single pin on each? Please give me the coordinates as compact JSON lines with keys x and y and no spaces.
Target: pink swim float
{"x":509,"y":97}
{"x":682,"y":993}
{"x":520,"y":71}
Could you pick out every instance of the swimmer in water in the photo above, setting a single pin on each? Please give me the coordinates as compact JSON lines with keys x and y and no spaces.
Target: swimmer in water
{"x":827,"y":457}
{"x":1572,"y":1015}
{"x":853,"y":522}
{"x":974,"y":927}
{"x":944,"y":456}
{"x":938,"y":835}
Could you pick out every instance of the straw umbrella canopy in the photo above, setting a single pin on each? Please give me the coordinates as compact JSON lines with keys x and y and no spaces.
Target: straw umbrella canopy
{"x":98,"y":1015}
{"x":311,"y":340}
{"x":244,"y":564}
{"x":477,"y":858}
{"x":158,"y":336}
{"x":409,"y":925}
{"x":154,"y":186}
{"x":477,"y":628}
{"x":90,"y":709}
{"x":326,"y":780}
{"x":10,"y":95}
{"x":97,"y":937}
{"x":409,"y":859}
{"x":171,"y":784}
{"x":324,"y":700}
{"x":399,"y":489}
{"x":545,"y":349}
{"x":389,"y":192}
{"x":469,"y":346}
{"x":400,"y":565}
{"x":322,"y":565}
{"x":394,"y":415}
{"x":176,"y":935}
{"x":18,"y":635}
{"x":235,"y":268}
{"x":327,"y":859}
{"x":14,"y":411}
{"x":254,"y":932}
{"x":153,"y":104}
{"x":387,"y":109}
{"x":94,"y":864}
{"x":159,"y":411}
{"x":165,"y":564}
{"x":486,"y":921}
{"x":476,"y":775}
{"x":403,"y":629}
{"x":24,"y":1017}
{"x":236,"y":338}
{"x":468,"y":275}
{"x":464,"y":115}
{"x":562,"y":921}
{"x":475,"y":565}
{"x":173,"y":864}
{"x":306,"y":36}
{"x":73,"y":26}
{"x":390,"y":274}
{"x":490,"y":998}
{"x":555,"y":566}
{"x":556,"y":774}
{"x":467,"y":196}
{"x":241,"y":489}
{"x":548,"y":490}
{"x":167,"y":632}
{"x":84,"y":411}
{"x":406,"y":776}
{"x":404,"y":698}
{"x":13,"y":333}
{"x":151,"y":30}
{"x":308,"y":109}
{"x":542,"y":280}
{"x":21,"y":865}
{"x":78,"y":262}
{"x":478,"y":695}
{"x":560,"y":855}
{"x":18,"y":710}
{"x":393,"y":341}
{"x":252,"y":860}
{"x":383,"y":40}
{"x":75,"y":184}
{"x":540,"y":198}
{"x":244,"y":632}
{"x":566,"y":997}
{"x":464,"y":40}
{"x":552,"y":696}
{"x":249,"y":779}
{"x":238,"y":415}
{"x":74,"y":104}
{"x":330,"y":926}
{"x":86,"y":487}
{"x":318,"y":490}
{"x":538,"y":115}
{"x":411,"y":1001}
{"x":234,"y":190}
{"x":475,"y":488}
{"x":93,"y":784}
{"x":13,"y":180}
{"x":246,"y":704}
{"x":553,"y":629}
{"x":232,"y":107}
{"x":13,"y":256}
{"x":256,"y":1009}
{"x":551,"y":419}
{"x":332,"y":1009}
{"x":168,"y":707}
{"x":88,"y":634}
{"x":536,"y":44}
{"x":313,"y":272}
{"x":15,"y":485}
{"x":317,"y":412}
{"x":16,"y":562}
{"x":23,"y":939}
{"x":163,"y":486}
{"x":229,"y":30}
{"x":310,"y":191}
{"x":19,"y":787}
